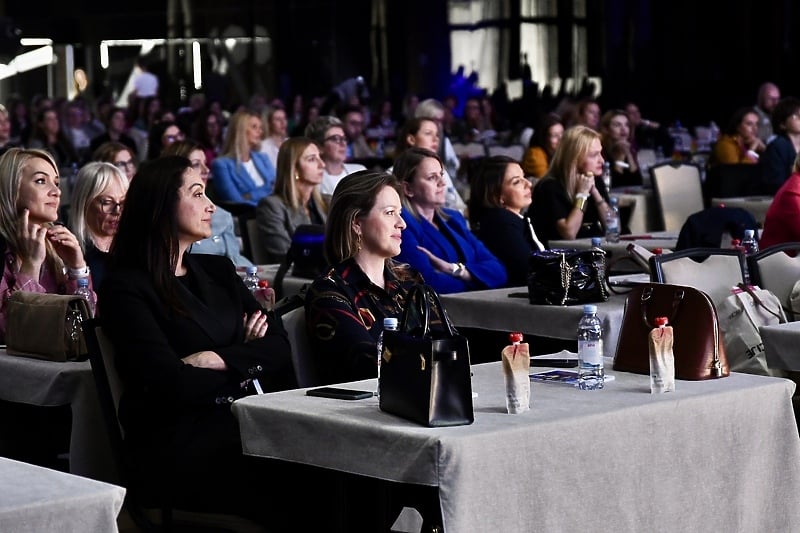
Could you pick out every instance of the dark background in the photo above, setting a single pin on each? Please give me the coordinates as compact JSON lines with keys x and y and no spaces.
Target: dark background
{"x":689,"y":60}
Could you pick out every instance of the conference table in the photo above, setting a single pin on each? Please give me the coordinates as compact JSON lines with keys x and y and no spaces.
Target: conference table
{"x":509,"y":309}
{"x":34,"y":499}
{"x":291,"y":284}
{"x":780,"y":345}
{"x":49,"y":383}
{"x":663,"y":240}
{"x":716,"y":455}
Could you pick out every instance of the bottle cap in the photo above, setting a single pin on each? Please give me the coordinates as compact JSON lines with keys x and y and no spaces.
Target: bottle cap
{"x":748,"y":233}
{"x":390,"y":323}
{"x":589,"y":309}
{"x":262,"y":283}
{"x":735,"y":242}
{"x":515,"y":337}
{"x":83,"y":282}
{"x":661,"y":321}
{"x":658,"y":251}
{"x":252,"y":270}
{"x":596,"y":241}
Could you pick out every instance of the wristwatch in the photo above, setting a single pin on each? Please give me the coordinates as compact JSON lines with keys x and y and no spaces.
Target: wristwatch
{"x":458,"y":268}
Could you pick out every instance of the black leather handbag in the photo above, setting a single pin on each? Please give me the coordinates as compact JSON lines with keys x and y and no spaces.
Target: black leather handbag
{"x":567,"y":277}
{"x":425,"y":366}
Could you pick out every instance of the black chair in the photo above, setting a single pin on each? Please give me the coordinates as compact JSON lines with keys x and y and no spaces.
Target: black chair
{"x":777,"y":269}
{"x":712,"y":270}
{"x":727,"y":181}
{"x":148,"y":507}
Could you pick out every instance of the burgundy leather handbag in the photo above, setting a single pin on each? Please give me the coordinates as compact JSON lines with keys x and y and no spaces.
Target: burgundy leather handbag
{"x":698,"y":349}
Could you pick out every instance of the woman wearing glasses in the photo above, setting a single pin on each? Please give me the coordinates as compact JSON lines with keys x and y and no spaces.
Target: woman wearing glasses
{"x":328,"y":133}
{"x":241,"y":173}
{"x":223,"y":240}
{"x":118,"y":155}
{"x":98,"y":197}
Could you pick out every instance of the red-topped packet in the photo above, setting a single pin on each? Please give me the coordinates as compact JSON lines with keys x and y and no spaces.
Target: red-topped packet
{"x":516,"y":369}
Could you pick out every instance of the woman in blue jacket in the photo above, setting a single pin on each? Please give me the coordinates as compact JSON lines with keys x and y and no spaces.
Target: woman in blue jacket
{"x":241,"y":173}
{"x":437,"y":241}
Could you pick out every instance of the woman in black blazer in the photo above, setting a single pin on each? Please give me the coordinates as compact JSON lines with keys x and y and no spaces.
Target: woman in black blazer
{"x":189,"y":340}
{"x":500,"y":195}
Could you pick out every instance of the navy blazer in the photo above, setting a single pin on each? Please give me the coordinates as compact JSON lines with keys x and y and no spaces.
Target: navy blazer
{"x":232,"y":183}
{"x":509,"y":238}
{"x":460,"y":245}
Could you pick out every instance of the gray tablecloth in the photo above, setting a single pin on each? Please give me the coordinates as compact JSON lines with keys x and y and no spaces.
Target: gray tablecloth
{"x":650,"y":241}
{"x":495,"y":310}
{"x":46,"y":383}
{"x":35,"y":500}
{"x":718,"y":455}
{"x":781,"y":343}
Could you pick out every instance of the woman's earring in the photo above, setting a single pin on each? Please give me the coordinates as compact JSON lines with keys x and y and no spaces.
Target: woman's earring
{"x":358,"y":241}
{"x":297,"y":177}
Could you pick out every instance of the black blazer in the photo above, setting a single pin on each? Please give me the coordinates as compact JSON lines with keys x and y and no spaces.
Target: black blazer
{"x":169,"y":408}
{"x":509,"y":238}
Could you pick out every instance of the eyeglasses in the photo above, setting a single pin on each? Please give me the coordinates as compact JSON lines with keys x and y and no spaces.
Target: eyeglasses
{"x":109,"y":206}
{"x":338,"y":139}
{"x":125,"y":164}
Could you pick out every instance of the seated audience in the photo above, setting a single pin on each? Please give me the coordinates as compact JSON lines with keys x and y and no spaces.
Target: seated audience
{"x":345,"y":308}
{"x":275,"y":127}
{"x":767,"y":98}
{"x":437,"y":241}
{"x":97,"y":201}
{"x":115,"y":131}
{"x":161,"y":135}
{"x":424,"y":133}
{"x":118,"y":155}
{"x":40,"y":256}
{"x":327,"y":131}
{"x":352,"y":118}
{"x":296,"y":199}
{"x":618,"y":150}
{"x":779,"y":155}
{"x":500,"y":195}
{"x":223,"y":239}
{"x":48,"y":135}
{"x":739,"y":142}
{"x":542,"y":146}
{"x":571,"y":201}
{"x":189,"y":340}
{"x":241,"y":173}
{"x":782,"y":222}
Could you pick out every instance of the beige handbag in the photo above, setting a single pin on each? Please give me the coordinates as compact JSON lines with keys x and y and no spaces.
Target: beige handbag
{"x":46,"y":326}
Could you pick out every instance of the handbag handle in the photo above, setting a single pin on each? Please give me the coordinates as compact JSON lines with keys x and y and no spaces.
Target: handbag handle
{"x":421,"y":296}
{"x":757,"y":300}
{"x":647,"y":294}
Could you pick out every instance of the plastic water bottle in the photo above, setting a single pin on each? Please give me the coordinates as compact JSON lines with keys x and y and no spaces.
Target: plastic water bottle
{"x":389,"y":324}
{"x":251,"y":278}
{"x":84,"y":292}
{"x":612,"y":221}
{"x":607,"y":175}
{"x":749,"y":242}
{"x":590,"y":350}
{"x":749,"y":247}
{"x":597,"y":243}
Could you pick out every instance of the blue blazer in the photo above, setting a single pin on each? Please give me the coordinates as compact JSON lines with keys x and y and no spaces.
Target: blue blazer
{"x":460,"y":245}
{"x":232,"y":183}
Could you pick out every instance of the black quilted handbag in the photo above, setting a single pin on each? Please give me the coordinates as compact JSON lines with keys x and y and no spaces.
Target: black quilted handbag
{"x":567,"y":277}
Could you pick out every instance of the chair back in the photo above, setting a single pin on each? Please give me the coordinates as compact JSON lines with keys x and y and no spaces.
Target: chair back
{"x":258,"y":255}
{"x":712,"y":270}
{"x":514,"y":151}
{"x":775,"y":270}
{"x":294,"y":322}
{"x":469,"y":150}
{"x":678,"y":191}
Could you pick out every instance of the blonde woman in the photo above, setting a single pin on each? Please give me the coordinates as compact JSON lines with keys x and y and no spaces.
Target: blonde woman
{"x":97,"y":201}
{"x":275,"y":126}
{"x":242,"y":174}
{"x":40,"y":256}
{"x":571,"y":201}
{"x":296,"y":199}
